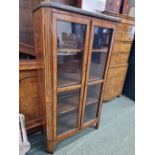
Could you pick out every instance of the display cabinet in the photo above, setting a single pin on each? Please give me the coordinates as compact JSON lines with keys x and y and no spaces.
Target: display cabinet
{"x":74,"y":46}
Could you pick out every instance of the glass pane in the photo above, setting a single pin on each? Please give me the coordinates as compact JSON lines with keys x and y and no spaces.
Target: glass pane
{"x":67,"y":110}
{"x":71,"y":40}
{"x":93,"y":94}
{"x":101,"y":44}
{"x":70,"y":35}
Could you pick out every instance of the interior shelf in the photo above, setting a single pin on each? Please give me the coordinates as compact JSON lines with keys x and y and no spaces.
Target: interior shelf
{"x":66,"y":82}
{"x":104,"y":50}
{"x":68,"y":50}
{"x":65,"y":51}
{"x":68,"y":79}
{"x":71,"y":104}
{"x":68,"y":121}
{"x":94,"y":78}
{"x":90,"y":101}
{"x":90,"y":112}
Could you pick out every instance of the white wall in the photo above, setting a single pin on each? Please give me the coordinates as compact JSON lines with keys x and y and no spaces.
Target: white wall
{"x":94,"y":5}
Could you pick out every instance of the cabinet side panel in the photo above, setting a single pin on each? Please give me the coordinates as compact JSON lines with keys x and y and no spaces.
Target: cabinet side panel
{"x":29,"y":103}
{"x":42,"y":49}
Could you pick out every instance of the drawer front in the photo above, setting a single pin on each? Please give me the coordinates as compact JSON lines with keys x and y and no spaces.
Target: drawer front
{"x":119,"y":58}
{"x":125,"y":28}
{"x":121,"y":47}
{"x":115,"y":81}
{"x":124,"y":36}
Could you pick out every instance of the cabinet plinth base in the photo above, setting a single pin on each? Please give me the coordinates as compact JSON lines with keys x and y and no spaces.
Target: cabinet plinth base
{"x":50,"y":147}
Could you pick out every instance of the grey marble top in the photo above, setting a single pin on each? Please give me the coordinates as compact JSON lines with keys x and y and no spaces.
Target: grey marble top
{"x":77,"y":10}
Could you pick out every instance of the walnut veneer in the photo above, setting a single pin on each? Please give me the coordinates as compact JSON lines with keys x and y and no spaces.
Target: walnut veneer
{"x":29,"y":104}
{"x":119,"y":57}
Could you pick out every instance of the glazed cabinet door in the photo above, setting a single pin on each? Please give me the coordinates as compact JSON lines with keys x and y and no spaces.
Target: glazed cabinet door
{"x":70,"y":42}
{"x":99,"y":49}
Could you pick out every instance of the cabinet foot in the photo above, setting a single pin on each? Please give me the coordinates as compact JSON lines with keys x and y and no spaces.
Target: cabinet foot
{"x":50,"y":147}
{"x":97,"y":125}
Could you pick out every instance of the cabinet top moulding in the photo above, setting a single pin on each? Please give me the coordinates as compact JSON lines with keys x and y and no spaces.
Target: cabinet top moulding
{"x":77,"y":10}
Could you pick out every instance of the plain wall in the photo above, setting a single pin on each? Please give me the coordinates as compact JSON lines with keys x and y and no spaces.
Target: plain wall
{"x":94,"y":5}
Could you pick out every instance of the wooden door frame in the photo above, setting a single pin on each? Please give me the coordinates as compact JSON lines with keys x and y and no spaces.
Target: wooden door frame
{"x":104,"y":24}
{"x":68,"y":18}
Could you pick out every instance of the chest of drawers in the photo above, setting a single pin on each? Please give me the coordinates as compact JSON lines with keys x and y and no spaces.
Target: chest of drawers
{"x":119,"y":57}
